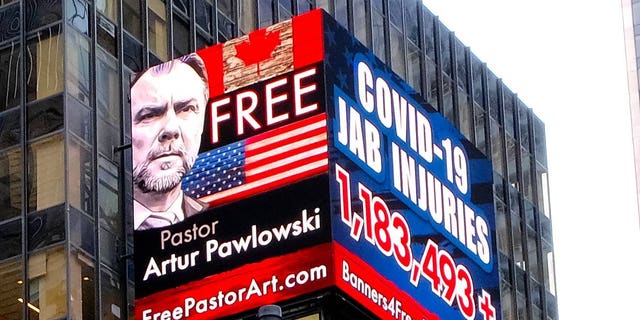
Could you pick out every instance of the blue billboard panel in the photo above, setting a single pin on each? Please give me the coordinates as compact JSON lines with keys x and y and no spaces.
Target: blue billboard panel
{"x":411,"y":196}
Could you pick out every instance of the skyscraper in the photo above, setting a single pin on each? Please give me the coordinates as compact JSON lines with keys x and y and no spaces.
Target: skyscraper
{"x":65,"y":173}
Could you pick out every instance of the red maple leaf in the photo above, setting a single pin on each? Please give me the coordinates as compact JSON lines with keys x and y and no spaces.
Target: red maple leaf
{"x":258,"y":48}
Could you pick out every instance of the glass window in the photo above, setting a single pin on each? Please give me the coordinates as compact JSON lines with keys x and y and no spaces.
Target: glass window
{"x":10,"y":238}
{"x":9,"y":22}
{"x":305,"y":5}
{"x":506,"y":301}
{"x":82,"y":231}
{"x":45,"y":227}
{"x":107,"y":88}
{"x":11,"y":283}
{"x":412,"y":31}
{"x":10,"y":183}
{"x":521,"y":301}
{"x":108,"y":137}
{"x":247,"y":16}
{"x":545,"y":227}
{"x":378,"y":35}
{"x":477,"y":75}
{"x":461,"y":65}
{"x":226,"y":28}
{"x":285,"y":8}
{"x":131,"y":10}
{"x":80,"y":175}
{"x":540,"y":140}
{"x":509,"y":110}
{"x":111,"y":295}
{"x":542,"y":187}
{"x":432,"y":84}
{"x":445,"y":50}
{"x":46,"y":172}
{"x":497,"y":148}
{"x":108,"y":204}
{"x":78,"y":67}
{"x":42,"y":12}
{"x":341,"y":13}
{"x":77,"y":15}
{"x":265,"y":13}
{"x":47,"y":284}
{"x":45,"y":116}
{"x":109,"y":8}
{"x":414,"y":75}
{"x":10,"y":128}
{"x":82,"y":284}
{"x":447,"y":100}
{"x":481,"y":136}
{"x":502,"y":228}
{"x":79,"y":119}
{"x":158,"y":28}
{"x":464,"y":113}
{"x":133,"y":52}
{"x":523,"y":120}
{"x":226,"y":6}
{"x":360,"y":24}
{"x":494,"y":108}
{"x":10,"y":75}
{"x":512,"y":168}
{"x":203,"y":15}
{"x":44,"y":64}
{"x":397,"y":52}
{"x":429,"y":33}
{"x":180,"y":37}
{"x":527,"y":184}
{"x":532,"y":254}
{"x":107,"y":35}
{"x":182,"y":6}
{"x":516,"y":233}
{"x":110,"y":246}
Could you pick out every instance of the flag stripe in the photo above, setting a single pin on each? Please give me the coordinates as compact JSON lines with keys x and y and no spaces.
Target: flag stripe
{"x":263,"y":162}
{"x":268,"y":183}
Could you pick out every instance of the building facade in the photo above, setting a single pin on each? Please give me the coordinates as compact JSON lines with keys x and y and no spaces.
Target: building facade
{"x":65,"y":181}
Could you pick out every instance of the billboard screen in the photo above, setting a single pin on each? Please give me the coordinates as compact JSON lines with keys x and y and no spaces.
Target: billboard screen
{"x":411,"y":196}
{"x":290,"y":160}
{"x":229,"y":150}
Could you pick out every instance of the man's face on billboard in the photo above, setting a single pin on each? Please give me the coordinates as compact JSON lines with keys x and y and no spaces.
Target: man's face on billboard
{"x":167,"y":110}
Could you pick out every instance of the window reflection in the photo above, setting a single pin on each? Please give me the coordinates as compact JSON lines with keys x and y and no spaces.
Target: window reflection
{"x":46,"y":172}
{"x":10,"y":128}
{"x":78,"y":68}
{"x":47,"y":284}
{"x":77,"y":13}
{"x":45,"y":116}
{"x":158,"y":28}
{"x":247,"y":16}
{"x":80,"y":173}
{"x":108,"y":8}
{"x":10,"y":75}
{"x":132,"y":23}
{"x":44,"y":63}
{"x":45,"y":227}
{"x":111,"y":295}
{"x":82,"y":284}
{"x":11,"y":283}
{"x":10,"y":183}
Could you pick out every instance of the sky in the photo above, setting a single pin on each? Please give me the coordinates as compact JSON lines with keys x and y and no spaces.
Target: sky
{"x":565,"y":60}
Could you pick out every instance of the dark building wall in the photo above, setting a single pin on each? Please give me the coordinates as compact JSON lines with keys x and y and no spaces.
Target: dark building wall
{"x":65,"y":184}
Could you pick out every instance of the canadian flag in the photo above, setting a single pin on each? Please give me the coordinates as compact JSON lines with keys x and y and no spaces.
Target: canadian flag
{"x":264,"y":53}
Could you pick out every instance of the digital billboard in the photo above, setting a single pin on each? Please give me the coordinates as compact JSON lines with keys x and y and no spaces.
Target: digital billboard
{"x":229,"y":152}
{"x":411,"y":197}
{"x":292,"y":160}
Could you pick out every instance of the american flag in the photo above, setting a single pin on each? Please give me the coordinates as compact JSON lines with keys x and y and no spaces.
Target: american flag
{"x":259,"y":163}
